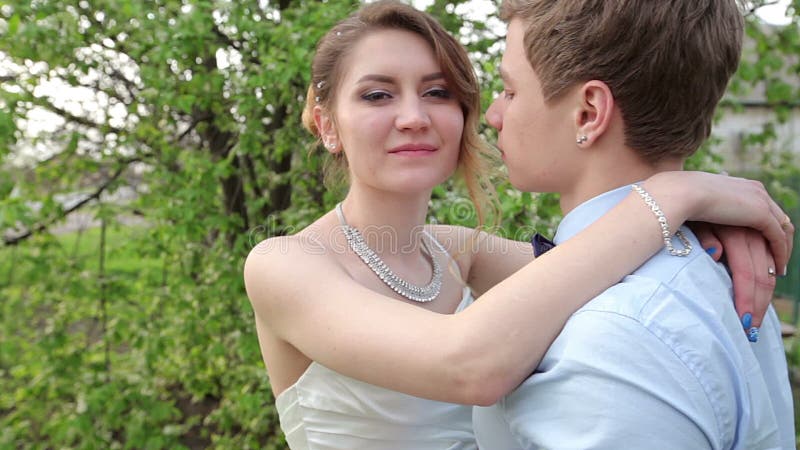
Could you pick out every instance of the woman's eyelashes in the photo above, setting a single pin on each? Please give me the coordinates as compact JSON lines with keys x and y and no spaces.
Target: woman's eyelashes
{"x":438,"y":92}
{"x":374,"y":96}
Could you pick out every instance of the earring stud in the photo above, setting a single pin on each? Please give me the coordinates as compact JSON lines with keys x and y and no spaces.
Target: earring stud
{"x":331,"y":145}
{"x":581,"y":139}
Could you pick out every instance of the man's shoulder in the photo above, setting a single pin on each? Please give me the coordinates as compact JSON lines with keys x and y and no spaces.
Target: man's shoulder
{"x":667,"y":307}
{"x":646,"y":326}
{"x":628,"y":298}
{"x":666,"y":285}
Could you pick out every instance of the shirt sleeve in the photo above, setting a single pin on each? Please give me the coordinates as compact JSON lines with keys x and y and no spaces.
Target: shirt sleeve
{"x":608,"y":383}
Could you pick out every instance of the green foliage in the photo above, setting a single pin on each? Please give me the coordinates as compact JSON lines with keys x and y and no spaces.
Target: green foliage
{"x":138,"y":334}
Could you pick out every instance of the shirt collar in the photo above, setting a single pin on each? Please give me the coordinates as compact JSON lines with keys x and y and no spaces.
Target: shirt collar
{"x":588,"y":212}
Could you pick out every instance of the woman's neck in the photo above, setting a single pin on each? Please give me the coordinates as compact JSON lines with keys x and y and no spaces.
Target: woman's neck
{"x":391,"y":223}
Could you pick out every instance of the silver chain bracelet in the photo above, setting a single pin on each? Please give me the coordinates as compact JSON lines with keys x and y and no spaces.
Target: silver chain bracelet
{"x":662,"y":221}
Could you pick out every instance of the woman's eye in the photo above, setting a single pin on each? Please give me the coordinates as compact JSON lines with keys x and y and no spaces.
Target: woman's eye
{"x":375,"y":96}
{"x":508,"y":95}
{"x":438,"y":92}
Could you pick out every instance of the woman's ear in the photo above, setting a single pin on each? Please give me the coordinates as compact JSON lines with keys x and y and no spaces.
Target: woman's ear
{"x":327,"y":129}
{"x":594,"y":113}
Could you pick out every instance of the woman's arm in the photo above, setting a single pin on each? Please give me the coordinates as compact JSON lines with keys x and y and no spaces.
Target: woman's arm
{"x":491,"y":259}
{"x":480,"y":354}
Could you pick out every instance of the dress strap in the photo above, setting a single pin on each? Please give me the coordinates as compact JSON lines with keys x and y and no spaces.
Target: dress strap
{"x":438,"y":244}
{"x":452,"y":261}
{"x":340,"y":214}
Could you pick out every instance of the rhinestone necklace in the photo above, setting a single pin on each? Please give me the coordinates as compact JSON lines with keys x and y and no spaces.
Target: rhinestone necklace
{"x":410,"y":291}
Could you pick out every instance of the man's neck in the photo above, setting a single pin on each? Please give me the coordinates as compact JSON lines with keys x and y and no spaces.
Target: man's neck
{"x":603,"y":179}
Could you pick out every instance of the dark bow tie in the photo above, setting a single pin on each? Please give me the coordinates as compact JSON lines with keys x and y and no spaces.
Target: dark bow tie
{"x":541,"y":244}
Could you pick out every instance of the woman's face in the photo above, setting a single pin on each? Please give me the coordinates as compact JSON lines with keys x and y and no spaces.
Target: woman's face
{"x":395,"y":117}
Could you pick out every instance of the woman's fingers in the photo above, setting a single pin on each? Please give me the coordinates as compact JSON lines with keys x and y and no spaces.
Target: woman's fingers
{"x":708,"y":239}
{"x":788,"y":228}
{"x":776,"y":226}
{"x":742,"y":267}
{"x":753,"y":271}
{"x":764,"y":276}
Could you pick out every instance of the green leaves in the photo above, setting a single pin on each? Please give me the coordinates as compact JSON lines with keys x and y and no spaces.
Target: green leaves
{"x":13,"y":24}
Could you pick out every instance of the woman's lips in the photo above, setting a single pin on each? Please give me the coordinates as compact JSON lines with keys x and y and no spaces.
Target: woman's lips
{"x":413,"y":150}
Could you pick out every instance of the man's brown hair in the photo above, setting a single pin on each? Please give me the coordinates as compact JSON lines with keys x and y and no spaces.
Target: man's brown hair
{"x":667,"y":62}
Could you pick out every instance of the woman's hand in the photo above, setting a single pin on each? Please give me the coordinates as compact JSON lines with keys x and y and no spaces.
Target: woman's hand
{"x":745,"y":251}
{"x":720,"y":199}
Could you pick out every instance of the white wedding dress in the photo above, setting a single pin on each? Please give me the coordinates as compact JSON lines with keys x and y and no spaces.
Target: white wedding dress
{"x":325,"y":410}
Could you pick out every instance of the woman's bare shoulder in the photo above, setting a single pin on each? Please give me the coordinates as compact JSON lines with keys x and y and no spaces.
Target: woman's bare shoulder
{"x":313,"y":240}
{"x":288,"y":248}
{"x":460,"y":242}
{"x":457,"y":237}
{"x":277,"y":267}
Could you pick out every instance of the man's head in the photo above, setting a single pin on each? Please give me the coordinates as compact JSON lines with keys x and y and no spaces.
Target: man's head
{"x":665,"y":63}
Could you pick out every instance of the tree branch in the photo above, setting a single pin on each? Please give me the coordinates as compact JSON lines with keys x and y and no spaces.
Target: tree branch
{"x":757,"y":5}
{"x":130,"y":84}
{"x":236,"y":45}
{"x":40,"y":101}
{"x":197,"y":118}
{"x":9,"y":241}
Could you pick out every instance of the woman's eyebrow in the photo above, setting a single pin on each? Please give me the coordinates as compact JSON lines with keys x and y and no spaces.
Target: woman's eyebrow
{"x":376,"y":77}
{"x":433,"y":77}
{"x":388,"y":79}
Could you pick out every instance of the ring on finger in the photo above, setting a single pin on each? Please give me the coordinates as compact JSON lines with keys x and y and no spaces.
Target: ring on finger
{"x":771,"y":271}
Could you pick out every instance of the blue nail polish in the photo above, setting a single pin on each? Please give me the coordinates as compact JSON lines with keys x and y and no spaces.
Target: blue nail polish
{"x":747,"y":320}
{"x":711,"y":250}
{"x":752,"y":335}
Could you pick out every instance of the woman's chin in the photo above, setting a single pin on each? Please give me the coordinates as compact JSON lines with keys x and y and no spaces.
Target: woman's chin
{"x":417,"y":183}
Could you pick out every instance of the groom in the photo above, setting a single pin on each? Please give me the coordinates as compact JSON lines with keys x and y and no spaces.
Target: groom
{"x":598,"y":95}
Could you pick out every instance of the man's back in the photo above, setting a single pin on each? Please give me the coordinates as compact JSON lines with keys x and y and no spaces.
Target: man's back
{"x":658,"y":361}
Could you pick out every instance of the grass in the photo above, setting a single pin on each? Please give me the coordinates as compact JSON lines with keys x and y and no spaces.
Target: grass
{"x":83,"y":247}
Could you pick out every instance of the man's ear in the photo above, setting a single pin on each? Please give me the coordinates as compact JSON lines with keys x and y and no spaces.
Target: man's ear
{"x":327,"y":130}
{"x":593,"y":116}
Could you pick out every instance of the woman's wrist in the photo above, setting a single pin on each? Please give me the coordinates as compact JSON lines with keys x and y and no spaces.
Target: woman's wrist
{"x":666,"y":233}
{"x":674,"y":196}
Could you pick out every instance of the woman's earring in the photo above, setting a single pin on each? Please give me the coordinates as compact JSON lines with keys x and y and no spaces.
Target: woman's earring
{"x":331,"y":145}
{"x":581,"y":139}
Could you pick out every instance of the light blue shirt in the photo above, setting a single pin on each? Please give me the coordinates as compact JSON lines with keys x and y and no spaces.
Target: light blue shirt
{"x":658,"y":361}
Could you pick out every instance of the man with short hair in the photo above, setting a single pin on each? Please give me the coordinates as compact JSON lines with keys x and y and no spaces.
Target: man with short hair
{"x":598,"y":95}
